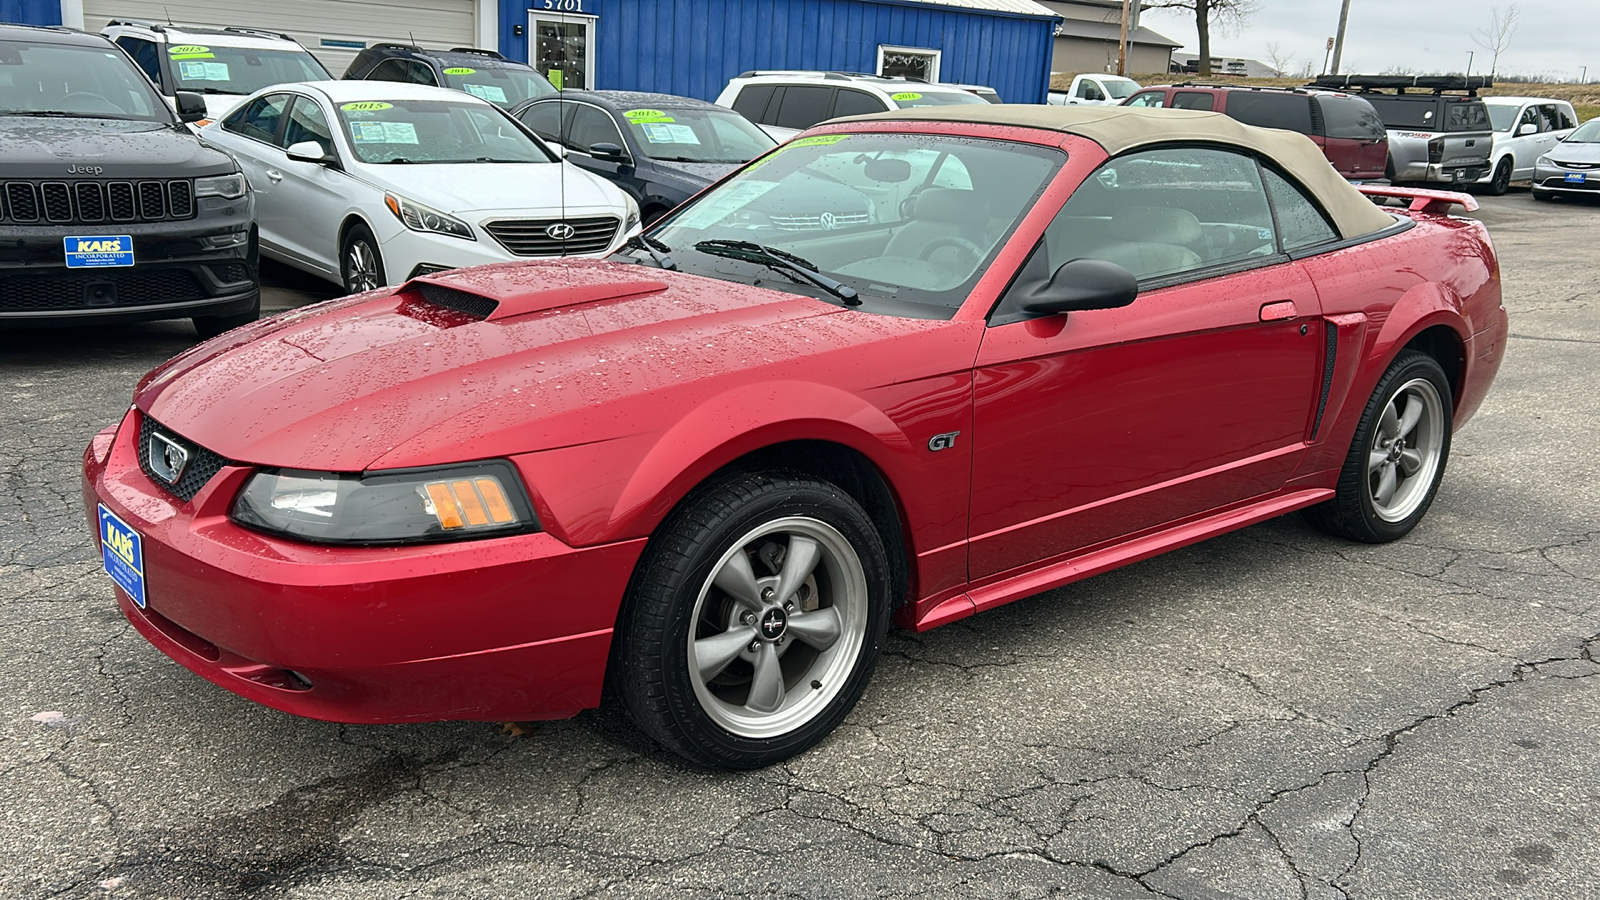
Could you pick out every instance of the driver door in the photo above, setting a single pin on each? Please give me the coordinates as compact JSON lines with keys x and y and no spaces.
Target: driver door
{"x":1093,"y":426}
{"x":309,"y":200}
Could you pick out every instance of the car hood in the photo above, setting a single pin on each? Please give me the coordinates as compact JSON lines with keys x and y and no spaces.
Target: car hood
{"x":1578,"y":153}
{"x":45,"y":147}
{"x":537,"y":188}
{"x":577,"y":352}
{"x":697,"y":175}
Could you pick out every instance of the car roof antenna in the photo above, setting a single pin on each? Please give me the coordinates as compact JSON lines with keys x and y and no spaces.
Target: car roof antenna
{"x":168,"y":12}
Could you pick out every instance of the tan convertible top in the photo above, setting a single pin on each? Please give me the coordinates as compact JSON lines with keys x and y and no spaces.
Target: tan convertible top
{"x":1122,"y":128}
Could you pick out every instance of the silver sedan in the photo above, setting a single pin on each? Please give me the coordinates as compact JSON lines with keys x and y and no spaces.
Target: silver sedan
{"x":1572,"y":166}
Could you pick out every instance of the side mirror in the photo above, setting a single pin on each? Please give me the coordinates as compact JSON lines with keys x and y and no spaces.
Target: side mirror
{"x":1083,"y":284}
{"x":308,"y":151}
{"x":1527,"y":128}
{"x":191,"y":106}
{"x":607,"y":151}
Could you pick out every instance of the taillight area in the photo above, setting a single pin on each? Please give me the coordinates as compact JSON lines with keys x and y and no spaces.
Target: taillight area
{"x":1436,"y":150}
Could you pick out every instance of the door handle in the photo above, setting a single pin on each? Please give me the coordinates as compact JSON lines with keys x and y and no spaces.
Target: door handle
{"x":1280,"y":311}
{"x":274,"y":175}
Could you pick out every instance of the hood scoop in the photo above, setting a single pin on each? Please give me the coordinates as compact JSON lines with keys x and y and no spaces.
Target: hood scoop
{"x":504,"y":292}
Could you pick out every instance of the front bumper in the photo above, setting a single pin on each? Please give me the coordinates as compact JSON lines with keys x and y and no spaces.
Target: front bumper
{"x":178,"y":272}
{"x":1548,"y":178}
{"x":512,"y":628}
{"x":408,"y":253}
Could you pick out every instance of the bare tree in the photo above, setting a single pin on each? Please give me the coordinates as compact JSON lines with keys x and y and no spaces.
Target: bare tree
{"x":1279,"y":60}
{"x":1225,"y":14}
{"x":1497,"y":37}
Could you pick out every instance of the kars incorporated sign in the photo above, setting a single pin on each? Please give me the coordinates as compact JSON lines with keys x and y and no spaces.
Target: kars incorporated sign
{"x":99,"y":251}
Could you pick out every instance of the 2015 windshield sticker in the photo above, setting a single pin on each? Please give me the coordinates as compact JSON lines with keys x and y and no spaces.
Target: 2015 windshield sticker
{"x":383,"y":133}
{"x":642,"y":116}
{"x":202,"y":71}
{"x":903,"y":97}
{"x":657,"y":133}
{"x":486,"y":92}
{"x":460,"y":70}
{"x":190,"y":51}
{"x":821,"y":140}
{"x":366,"y":106}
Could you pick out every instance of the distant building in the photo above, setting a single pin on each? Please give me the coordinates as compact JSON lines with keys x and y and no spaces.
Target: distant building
{"x":1090,"y":31}
{"x":1189,"y":63}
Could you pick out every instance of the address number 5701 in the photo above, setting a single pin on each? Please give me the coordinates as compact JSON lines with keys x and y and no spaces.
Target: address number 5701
{"x":564,"y":5}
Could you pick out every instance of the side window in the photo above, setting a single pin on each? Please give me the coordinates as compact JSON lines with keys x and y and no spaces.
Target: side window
{"x":544,"y":119}
{"x":1164,"y":212}
{"x":590,"y":126}
{"x":1291,"y":112}
{"x":752,"y":102}
{"x":404,"y":71}
{"x":1550,"y":119}
{"x":1350,"y":118}
{"x":1088,"y":90}
{"x":803,"y":106}
{"x":308,"y":123}
{"x":1300,"y":223}
{"x":856,"y":103}
{"x":259,"y":119}
{"x":1530,"y":116}
{"x":1194,"y":100}
{"x":144,"y":55}
{"x":1567,"y":118}
{"x":1149,"y":99}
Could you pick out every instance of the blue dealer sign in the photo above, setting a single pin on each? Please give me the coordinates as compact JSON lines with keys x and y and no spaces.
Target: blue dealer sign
{"x":96,"y":251}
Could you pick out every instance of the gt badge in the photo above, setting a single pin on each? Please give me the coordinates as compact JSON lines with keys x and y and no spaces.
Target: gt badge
{"x":942,"y":441}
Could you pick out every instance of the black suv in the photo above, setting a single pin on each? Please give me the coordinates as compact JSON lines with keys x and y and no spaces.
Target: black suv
{"x":482,"y":73}
{"x":110,"y":208}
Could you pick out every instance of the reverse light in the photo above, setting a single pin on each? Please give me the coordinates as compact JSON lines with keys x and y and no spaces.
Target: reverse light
{"x":418,"y":217}
{"x":229,"y":187}
{"x":398,"y":506}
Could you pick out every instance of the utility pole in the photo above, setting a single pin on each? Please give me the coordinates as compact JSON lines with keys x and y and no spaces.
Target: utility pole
{"x":1469,"y":63}
{"x":1583,"y":77}
{"x":1122,"y":45}
{"x":1325,"y":58}
{"x":1338,"y":43}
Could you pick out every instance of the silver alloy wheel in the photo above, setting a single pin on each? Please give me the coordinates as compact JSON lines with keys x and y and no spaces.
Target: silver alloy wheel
{"x":769,"y":652}
{"x":362,"y":265}
{"x":1403,"y":458}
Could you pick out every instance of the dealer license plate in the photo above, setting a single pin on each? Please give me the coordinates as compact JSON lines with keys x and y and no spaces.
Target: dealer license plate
{"x":99,"y":251}
{"x":1576,"y":177}
{"x":122,"y":555}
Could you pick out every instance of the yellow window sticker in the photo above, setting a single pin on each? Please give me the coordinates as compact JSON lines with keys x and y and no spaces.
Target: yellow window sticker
{"x":460,"y":70}
{"x":366,"y":106}
{"x":904,"y":97}
{"x":821,"y":140}
{"x":641,"y":116}
{"x":190,"y":51}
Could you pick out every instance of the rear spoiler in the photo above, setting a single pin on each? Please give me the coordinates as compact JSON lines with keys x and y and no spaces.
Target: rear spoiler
{"x":1436,"y":203}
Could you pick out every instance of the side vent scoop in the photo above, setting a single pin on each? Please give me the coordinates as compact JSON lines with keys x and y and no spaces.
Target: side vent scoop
{"x":503,"y":298}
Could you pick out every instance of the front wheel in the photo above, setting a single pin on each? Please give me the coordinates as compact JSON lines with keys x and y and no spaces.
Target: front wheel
{"x":1501,"y":182}
{"x":360,"y":263}
{"x":1397,"y":458}
{"x":754,"y":620}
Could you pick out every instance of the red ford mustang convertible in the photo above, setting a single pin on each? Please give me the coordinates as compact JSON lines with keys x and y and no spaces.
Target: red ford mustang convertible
{"x":709,"y":472}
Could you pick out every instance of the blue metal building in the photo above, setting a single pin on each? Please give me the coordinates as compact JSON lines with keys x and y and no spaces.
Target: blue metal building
{"x":689,"y":47}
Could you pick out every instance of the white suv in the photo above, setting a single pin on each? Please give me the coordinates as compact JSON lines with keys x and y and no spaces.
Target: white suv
{"x":785,"y":103}
{"x":223,"y":64}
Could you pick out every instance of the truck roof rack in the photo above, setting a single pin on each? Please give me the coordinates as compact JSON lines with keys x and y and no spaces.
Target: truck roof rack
{"x":1436,"y":84}
{"x":476,"y":52}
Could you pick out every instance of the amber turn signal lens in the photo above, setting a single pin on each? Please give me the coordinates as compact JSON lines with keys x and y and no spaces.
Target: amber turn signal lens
{"x":478,"y":503}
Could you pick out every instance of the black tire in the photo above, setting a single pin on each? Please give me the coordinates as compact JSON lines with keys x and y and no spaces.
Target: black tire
{"x":1357,"y":510}
{"x":653,"y":214}
{"x":1501,"y":182}
{"x":209,"y":327}
{"x":360,"y":261}
{"x":672,"y":607}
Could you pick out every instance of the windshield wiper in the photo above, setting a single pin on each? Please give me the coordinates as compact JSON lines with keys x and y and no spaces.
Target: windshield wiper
{"x":491,"y":159}
{"x":212,"y":90}
{"x":398,"y":159}
{"x":782,"y":261}
{"x":655,"y":248}
{"x":58,"y":114}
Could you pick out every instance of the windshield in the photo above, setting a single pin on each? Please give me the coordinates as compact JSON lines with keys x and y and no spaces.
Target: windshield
{"x":911,"y":99}
{"x":697,"y":135}
{"x":1120,"y":89}
{"x":435,"y":131}
{"x":1587,"y":133}
{"x":75,"y":80}
{"x":1503,"y":117}
{"x":210,"y":69}
{"x":504,"y":86}
{"x":901,"y":219}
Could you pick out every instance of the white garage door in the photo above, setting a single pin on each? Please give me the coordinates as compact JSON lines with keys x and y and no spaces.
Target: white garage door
{"x":325,"y":27}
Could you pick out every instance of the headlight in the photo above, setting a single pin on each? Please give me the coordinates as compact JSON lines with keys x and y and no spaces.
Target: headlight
{"x":417,"y":217}
{"x":1543,"y":161}
{"x":230,"y":187}
{"x":401,"y":506}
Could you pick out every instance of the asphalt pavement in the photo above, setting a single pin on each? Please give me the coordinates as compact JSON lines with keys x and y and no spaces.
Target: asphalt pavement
{"x":1270,"y":714}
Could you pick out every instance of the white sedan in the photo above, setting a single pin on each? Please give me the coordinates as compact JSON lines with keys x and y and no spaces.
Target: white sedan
{"x":371,"y":183}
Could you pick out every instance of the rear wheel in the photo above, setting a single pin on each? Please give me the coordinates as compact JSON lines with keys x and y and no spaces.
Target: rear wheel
{"x":1397,"y":458}
{"x":754,"y":620}
{"x":1501,"y":182}
{"x":360,"y":263}
{"x":209,"y":327}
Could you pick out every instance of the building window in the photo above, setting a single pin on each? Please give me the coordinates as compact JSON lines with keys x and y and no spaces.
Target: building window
{"x":908,"y":62}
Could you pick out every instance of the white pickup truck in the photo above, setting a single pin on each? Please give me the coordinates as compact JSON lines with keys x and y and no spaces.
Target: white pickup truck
{"x":1095,"y":90}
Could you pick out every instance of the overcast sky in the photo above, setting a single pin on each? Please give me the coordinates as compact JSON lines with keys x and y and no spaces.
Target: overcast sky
{"x":1553,"y":37}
